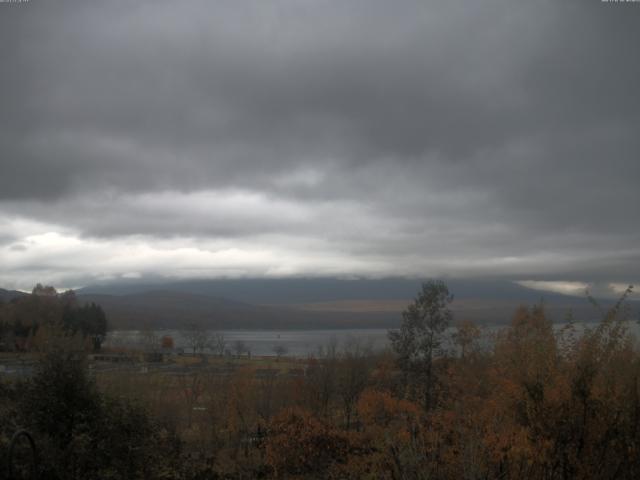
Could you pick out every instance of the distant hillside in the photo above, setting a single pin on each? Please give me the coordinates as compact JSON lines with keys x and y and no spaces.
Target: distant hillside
{"x":170,"y":309}
{"x":309,"y":303}
{"x":292,"y":291}
{"x":8,"y":295}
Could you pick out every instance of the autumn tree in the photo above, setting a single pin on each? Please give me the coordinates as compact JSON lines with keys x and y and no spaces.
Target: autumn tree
{"x":302,"y":446}
{"x":420,"y":337}
{"x":524,"y":379}
{"x":564,"y":399}
{"x":166,"y":342}
{"x":603,"y":405}
{"x":391,"y":428}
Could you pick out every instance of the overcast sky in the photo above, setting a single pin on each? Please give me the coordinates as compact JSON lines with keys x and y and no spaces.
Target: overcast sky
{"x":316,"y":137}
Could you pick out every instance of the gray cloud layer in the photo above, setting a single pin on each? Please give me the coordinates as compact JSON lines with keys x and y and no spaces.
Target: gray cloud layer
{"x":354,"y":137}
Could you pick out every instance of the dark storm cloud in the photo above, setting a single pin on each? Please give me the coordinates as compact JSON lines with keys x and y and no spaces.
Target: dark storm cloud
{"x":478,"y":131}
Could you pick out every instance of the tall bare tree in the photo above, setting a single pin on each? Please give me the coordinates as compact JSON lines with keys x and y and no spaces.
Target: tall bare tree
{"x":196,"y":336}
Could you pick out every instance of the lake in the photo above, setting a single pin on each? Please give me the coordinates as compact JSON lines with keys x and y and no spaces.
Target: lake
{"x":298,"y":343}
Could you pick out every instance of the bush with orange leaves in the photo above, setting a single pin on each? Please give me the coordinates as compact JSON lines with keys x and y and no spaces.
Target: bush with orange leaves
{"x":301,"y":446}
{"x":562,"y":407}
{"x":381,"y":409}
{"x":390,"y":444}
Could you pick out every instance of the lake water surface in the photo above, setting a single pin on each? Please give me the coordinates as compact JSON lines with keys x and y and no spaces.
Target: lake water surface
{"x":299,"y":343}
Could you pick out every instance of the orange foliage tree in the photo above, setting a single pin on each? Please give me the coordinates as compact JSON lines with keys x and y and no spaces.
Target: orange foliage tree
{"x":299,"y":445}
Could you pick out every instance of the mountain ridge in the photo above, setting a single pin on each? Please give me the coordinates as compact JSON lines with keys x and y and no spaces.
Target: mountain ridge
{"x":309,"y":303}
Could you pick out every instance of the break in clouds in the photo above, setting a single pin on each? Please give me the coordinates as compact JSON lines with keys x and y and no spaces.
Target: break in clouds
{"x":342,"y":138}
